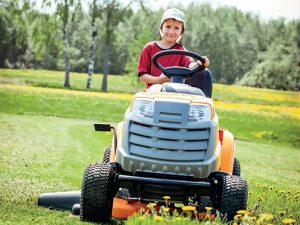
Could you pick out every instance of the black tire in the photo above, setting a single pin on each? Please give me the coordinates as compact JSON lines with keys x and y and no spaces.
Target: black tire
{"x":232,"y":193}
{"x":97,"y":193}
{"x":106,"y":156}
{"x":236,"y":167}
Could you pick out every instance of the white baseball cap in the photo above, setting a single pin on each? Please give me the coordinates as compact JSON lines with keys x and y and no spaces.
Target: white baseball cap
{"x":173,"y":13}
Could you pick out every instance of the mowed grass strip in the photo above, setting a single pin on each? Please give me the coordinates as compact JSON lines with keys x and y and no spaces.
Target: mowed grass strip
{"x":266,"y":124}
{"x":48,"y":154}
{"x":43,"y":154}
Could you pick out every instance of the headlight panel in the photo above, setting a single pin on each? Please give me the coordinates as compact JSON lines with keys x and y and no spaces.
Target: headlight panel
{"x":143,"y":107}
{"x":199,"y":113}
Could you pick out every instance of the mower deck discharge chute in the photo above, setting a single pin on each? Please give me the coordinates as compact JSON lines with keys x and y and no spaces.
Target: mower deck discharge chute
{"x":169,"y":144}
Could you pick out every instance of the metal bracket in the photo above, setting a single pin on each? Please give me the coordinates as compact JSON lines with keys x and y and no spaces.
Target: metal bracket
{"x":103,"y":127}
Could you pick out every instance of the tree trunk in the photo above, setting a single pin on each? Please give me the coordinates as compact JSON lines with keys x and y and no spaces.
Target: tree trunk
{"x":92,"y":49}
{"x":66,"y":58}
{"x":92,"y":53}
{"x":106,"y":66}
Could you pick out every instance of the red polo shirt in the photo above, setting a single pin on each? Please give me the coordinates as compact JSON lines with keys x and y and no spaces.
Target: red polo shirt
{"x":145,"y":65}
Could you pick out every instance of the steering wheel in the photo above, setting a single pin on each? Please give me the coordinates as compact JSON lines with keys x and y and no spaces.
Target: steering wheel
{"x":178,"y":70}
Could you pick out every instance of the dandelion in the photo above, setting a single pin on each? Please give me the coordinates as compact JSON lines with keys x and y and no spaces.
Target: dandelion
{"x":166,"y":198}
{"x":165,"y":209}
{"x":208,"y":209}
{"x":243,"y":212}
{"x":289,"y":221}
{"x":158,"y":218}
{"x":188,"y":208}
{"x":178,"y":218}
{"x":151,"y":205}
{"x":141,"y":217}
{"x":259,"y":221}
{"x":236,"y":217}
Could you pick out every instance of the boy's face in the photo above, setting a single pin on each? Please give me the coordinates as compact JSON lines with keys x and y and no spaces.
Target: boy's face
{"x":171,"y":30}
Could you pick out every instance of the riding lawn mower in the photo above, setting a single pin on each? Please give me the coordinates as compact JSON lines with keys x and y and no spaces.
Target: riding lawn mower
{"x":169,"y":144}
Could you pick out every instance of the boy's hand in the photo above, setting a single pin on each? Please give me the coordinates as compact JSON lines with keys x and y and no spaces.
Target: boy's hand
{"x":163,"y":79}
{"x":206,"y":63}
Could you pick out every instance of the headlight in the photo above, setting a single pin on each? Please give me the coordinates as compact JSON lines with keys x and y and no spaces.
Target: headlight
{"x":143,"y":107}
{"x":199,"y":113}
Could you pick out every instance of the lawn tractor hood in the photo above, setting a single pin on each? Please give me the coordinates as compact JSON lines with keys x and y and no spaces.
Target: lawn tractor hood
{"x":163,"y":132}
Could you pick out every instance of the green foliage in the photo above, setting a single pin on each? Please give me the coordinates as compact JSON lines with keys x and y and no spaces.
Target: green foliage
{"x":241,"y":47}
{"x":279,"y":66}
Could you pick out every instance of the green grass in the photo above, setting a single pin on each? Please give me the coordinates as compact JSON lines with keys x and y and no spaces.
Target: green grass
{"x":48,"y":139}
{"x":47,"y":154}
{"x":107,"y":107}
{"x":129,"y":84}
{"x":43,"y":154}
{"x":55,"y":79}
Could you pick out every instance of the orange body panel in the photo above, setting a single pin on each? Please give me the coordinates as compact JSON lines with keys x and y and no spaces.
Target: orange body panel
{"x":227,"y":151}
{"x":122,"y":209}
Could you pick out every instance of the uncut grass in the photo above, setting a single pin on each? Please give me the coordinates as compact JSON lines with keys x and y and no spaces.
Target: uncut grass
{"x":275,"y":127}
{"x":55,"y":79}
{"x":129,"y":84}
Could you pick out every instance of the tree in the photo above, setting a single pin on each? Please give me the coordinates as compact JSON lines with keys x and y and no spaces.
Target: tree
{"x":14,"y":16}
{"x":112,"y":13}
{"x":65,"y":10}
{"x":92,"y":46}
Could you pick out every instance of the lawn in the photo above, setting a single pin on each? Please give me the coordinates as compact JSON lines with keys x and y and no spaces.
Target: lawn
{"x":48,"y":139}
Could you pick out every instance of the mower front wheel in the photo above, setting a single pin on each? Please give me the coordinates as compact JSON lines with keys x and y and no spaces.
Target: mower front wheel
{"x":97,"y":193}
{"x":236,"y":167}
{"x":106,"y":156}
{"x":232,"y":194}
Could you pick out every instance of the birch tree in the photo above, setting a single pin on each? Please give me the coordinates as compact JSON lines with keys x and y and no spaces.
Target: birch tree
{"x":65,"y":10}
{"x":92,"y":46}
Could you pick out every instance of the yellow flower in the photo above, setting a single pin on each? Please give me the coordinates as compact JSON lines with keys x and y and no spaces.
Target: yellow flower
{"x":260,"y":198}
{"x":259,"y":221}
{"x":266,"y":217}
{"x":237,"y":217}
{"x":166,"y":197}
{"x":141,"y":217}
{"x":288,"y":221}
{"x":151,"y":204}
{"x":242,"y":212}
{"x":166,"y":209}
{"x":208,"y":208}
{"x":158,"y":218}
{"x":188,"y":208}
{"x":178,"y":218}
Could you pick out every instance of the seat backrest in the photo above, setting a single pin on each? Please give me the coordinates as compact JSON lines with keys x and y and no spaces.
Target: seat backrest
{"x":177,"y":88}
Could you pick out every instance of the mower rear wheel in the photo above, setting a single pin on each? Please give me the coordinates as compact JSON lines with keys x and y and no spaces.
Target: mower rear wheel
{"x":106,"y":156}
{"x":236,"y":167}
{"x":232,"y":193}
{"x":97,"y":193}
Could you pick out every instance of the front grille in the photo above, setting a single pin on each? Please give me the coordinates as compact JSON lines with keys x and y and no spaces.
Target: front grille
{"x":161,"y":143}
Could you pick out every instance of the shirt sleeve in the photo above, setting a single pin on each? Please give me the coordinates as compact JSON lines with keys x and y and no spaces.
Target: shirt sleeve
{"x":144,"y":64}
